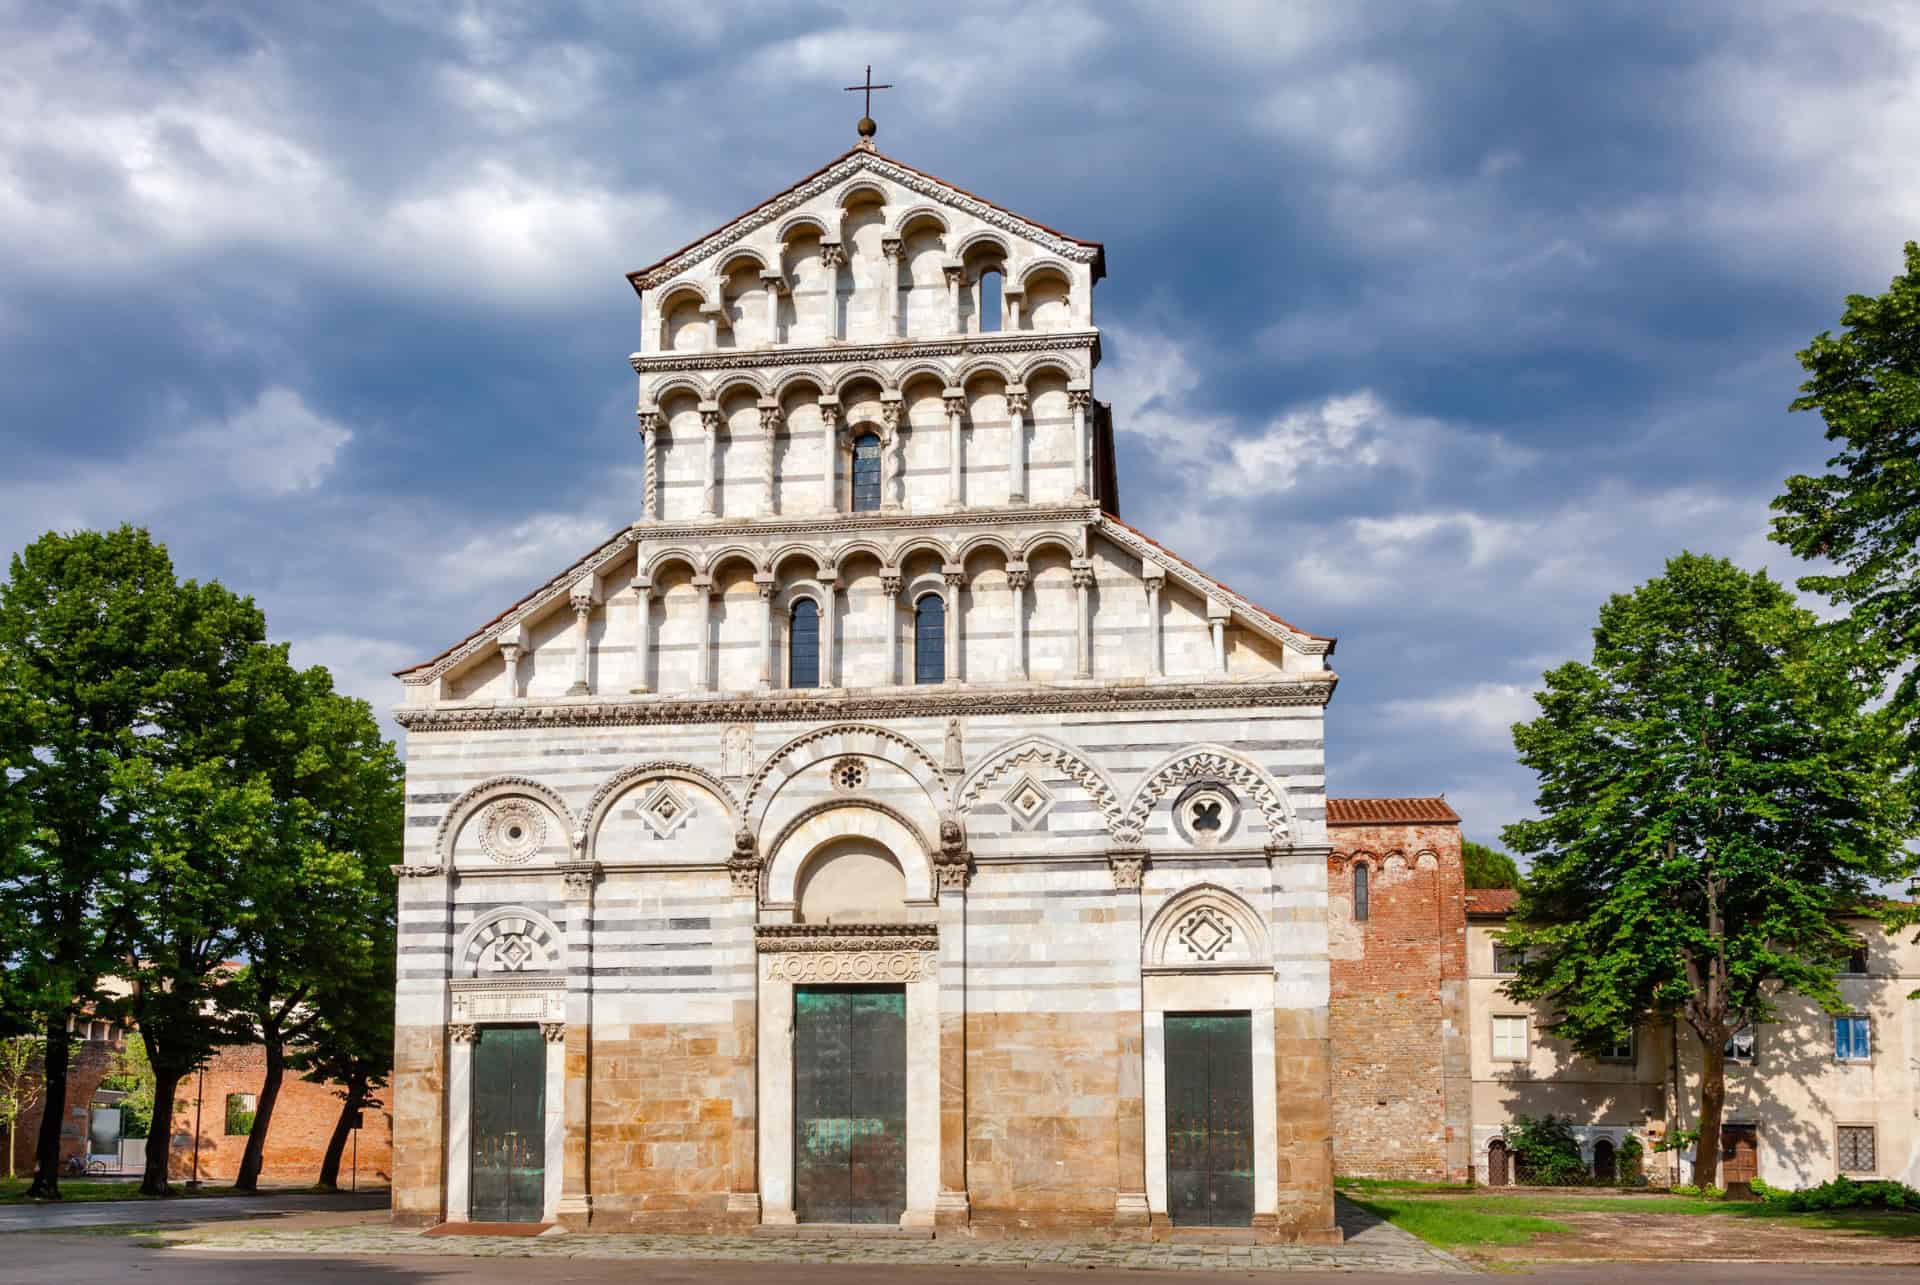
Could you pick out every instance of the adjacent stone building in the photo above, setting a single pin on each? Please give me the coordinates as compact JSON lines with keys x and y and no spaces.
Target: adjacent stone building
{"x":878,"y":828}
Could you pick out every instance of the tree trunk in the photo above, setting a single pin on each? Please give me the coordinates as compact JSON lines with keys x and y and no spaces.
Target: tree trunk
{"x":153,"y":1180}
{"x":1713,"y":1101}
{"x":46,"y":1163}
{"x":252,"y":1160}
{"x":342,"y":1128}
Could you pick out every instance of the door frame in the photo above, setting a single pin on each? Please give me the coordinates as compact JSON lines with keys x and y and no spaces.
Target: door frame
{"x":904,"y":955}
{"x":1217,"y":990}
{"x":459,"y":1206}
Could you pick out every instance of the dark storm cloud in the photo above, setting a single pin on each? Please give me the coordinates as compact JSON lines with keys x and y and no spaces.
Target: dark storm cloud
{"x":1428,"y":324}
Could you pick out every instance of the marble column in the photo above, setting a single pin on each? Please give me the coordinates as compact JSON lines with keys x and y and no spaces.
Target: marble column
{"x":1010,"y":297}
{"x":830,"y":429}
{"x":952,"y":1208}
{"x":576,"y":1198}
{"x":890,"y":590}
{"x":829,"y":612}
{"x":581,"y":600}
{"x":953,"y":578}
{"x":1017,"y":581}
{"x":1079,"y":399}
{"x":511,"y":645}
{"x":649,"y":440}
{"x":1016,"y":443}
{"x":460,"y":1122}
{"x":714,"y":313}
{"x":1217,"y":613}
{"x":703,"y":585}
{"x":773,"y":283}
{"x":642,"y":636}
{"x":1156,"y":643}
{"x":890,"y":249}
{"x":765,"y":585}
{"x":1083,"y":619}
{"x":955,"y":274}
{"x":771,"y":418}
{"x":893,"y":451}
{"x":956,"y":403}
{"x":710,"y":482}
{"x":1130,"y":1201}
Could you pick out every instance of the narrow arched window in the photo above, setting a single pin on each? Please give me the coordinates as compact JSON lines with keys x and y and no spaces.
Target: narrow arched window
{"x":866,"y":473}
{"x":803,"y":645}
{"x":930,"y":640}
{"x":991,"y":302}
{"x":1359,"y":892}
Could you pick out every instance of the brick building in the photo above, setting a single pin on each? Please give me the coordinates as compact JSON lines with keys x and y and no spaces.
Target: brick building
{"x":221,"y":1095}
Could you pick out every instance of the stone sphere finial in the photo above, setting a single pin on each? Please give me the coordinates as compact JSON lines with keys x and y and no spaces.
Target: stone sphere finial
{"x":867,"y":127}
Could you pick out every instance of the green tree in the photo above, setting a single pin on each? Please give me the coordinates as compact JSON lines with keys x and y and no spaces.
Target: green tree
{"x":21,"y":1084}
{"x":310,"y":909}
{"x":90,"y":628}
{"x":1714,"y":790}
{"x":133,"y":1076}
{"x":1863,"y":513}
{"x":1489,"y":867}
{"x":351,"y":1041}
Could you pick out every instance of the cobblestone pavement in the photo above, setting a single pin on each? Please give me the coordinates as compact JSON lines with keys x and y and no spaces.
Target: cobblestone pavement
{"x":1372,"y":1246}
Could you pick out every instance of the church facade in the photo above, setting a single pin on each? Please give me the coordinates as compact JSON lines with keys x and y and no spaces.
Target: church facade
{"x":877,"y":829}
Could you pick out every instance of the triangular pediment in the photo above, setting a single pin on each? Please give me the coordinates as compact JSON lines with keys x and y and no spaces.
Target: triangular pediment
{"x":850,"y":167}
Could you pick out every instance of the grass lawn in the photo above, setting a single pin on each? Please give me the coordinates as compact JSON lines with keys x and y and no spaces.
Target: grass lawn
{"x":1364,"y":1185}
{"x":1464,"y":1222}
{"x":13,"y":1191}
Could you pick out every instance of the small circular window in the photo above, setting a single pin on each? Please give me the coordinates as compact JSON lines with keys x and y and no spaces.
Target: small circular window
{"x":849,"y":775}
{"x":1206,"y":814}
{"x":512,"y":831}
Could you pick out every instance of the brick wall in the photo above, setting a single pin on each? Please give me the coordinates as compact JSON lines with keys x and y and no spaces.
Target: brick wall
{"x":1401,"y":1074}
{"x":302,"y":1121}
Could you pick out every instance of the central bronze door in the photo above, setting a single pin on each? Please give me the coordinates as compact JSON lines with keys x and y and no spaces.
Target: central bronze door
{"x":849,"y":1103}
{"x":1210,"y":1119}
{"x":509,"y":1125}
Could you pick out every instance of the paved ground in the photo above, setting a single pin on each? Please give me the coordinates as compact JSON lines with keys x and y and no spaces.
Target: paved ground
{"x":62,"y":1259}
{"x":183,"y":1209}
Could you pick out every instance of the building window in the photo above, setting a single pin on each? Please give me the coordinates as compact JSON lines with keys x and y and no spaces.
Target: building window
{"x":930,"y":640}
{"x":803,"y":645}
{"x":240,"y":1107}
{"x":1856,"y":1149}
{"x":1510,"y":1039}
{"x":1853,"y":1039}
{"x":866,"y":473}
{"x":1855,"y":964}
{"x":1506,"y":959}
{"x":1359,"y":892}
{"x":1620,"y":1051}
{"x":1740,"y":1045}
{"x":991,"y":301}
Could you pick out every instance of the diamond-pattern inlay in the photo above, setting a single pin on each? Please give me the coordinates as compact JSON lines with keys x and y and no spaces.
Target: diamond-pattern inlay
{"x":1205,"y":932}
{"x":1028,"y":801}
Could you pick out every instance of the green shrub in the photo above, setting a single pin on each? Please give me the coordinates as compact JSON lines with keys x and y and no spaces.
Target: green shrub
{"x":1627,"y":1162}
{"x":1545,"y":1152}
{"x":1841,"y":1193}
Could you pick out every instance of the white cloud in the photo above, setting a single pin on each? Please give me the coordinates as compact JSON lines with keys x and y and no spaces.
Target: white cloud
{"x":361,"y":666}
{"x":276,"y":446}
{"x":1481,"y":714}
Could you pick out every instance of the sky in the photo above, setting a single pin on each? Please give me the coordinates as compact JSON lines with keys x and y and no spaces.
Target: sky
{"x":1426,"y":325}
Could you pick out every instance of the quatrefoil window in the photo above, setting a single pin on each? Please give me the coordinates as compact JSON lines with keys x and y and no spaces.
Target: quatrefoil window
{"x":1205,"y":813}
{"x":849,"y":775}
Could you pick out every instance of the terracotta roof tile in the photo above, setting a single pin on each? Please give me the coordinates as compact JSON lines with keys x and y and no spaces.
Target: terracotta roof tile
{"x":1431,"y":811}
{"x":1491,"y":901}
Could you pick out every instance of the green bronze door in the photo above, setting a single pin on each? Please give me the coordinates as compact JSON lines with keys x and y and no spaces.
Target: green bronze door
{"x":509,"y":1125}
{"x":1210,"y":1119}
{"x":849,"y":1104}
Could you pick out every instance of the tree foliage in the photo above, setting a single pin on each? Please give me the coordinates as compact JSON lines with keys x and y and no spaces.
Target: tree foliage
{"x":1714,"y":790}
{"x":21,"y":1084}
{"x":1863,"y":513}
{"x":1489,"y":867}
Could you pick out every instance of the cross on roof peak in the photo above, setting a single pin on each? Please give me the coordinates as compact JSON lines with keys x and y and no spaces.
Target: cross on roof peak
{"x":866,"y":127}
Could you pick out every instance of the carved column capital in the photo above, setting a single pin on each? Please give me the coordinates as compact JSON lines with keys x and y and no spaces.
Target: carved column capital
{"x":649,"y":421}
{"x":830,"y":414}
{"x":954,"y":579}
{"x":554,"y":1032}
{"x":891,"y":413}
{"x":833,"y":254}
{"x":956,"y":403}
{"x":890,"y":583}
{"x":581,"y":601}
{"x":579,"y":878}
{"x":772,"y":418}
{"x":955,"y":274}
{"x":891,"y":247}
{"x":1078,"y":398}
{"x":1083,"y":577}
{"x":462,"y":1032}
{"x":1016,"y":402}
{"x":710,"y":422}
{"x":1018,"y":578}
{"x":1128,"y":866}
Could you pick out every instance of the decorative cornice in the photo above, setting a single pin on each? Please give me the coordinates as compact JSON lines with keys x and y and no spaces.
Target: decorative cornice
{"x":863,"y":523}
{"x":860,"y":162}
{"x":780,"y":939}
{"x":1020,"y":341}
{"x":1307,"y":689}
{"x":1212,"y":590}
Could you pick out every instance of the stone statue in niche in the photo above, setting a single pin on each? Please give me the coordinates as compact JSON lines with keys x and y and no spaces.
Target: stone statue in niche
{"x":736,"y":751}
{"x":956,"y":760}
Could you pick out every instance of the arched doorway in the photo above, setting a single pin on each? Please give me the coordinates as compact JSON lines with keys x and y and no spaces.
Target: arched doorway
{"x":1499,"y":1168}
{"x":1604,"y":1162}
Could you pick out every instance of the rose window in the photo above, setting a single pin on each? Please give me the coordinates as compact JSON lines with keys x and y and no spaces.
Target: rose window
{"x":848,"y":775}
{"x":512,"y":831}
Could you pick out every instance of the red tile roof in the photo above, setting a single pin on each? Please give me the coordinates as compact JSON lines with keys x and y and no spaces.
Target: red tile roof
{"x":1430,"y":811}
{"x":1491,"y":901}
{"x":1099,"y":264}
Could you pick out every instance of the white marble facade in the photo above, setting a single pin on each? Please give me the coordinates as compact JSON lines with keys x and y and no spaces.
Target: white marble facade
{"x":1118,"y":748}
